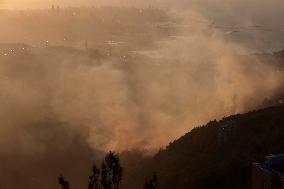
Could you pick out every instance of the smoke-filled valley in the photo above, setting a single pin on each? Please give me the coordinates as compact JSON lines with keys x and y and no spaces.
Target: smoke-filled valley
{"x":77,"y":82}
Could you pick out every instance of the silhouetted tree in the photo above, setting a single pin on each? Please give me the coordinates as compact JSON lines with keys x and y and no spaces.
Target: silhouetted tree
{"x":64,"y":183}
{"x":109,"y":177}
{"x":111,"y":173}
{"x":94,"y":178}
{"x":152,"y":183}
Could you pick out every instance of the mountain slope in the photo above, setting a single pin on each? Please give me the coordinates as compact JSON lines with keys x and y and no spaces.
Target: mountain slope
{"x":217,"y":155}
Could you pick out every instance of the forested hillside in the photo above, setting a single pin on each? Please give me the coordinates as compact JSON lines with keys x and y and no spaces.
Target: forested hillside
{"x":217,"y":155}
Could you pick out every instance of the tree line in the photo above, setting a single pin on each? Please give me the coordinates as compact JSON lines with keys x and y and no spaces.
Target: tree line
{"x":108,"y":176}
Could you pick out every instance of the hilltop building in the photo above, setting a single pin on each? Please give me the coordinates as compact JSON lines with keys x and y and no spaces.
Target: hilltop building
{"x":270,"y":174}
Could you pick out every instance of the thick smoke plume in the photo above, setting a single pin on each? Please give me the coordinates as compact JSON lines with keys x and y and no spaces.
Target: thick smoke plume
{"x":145,"y":102}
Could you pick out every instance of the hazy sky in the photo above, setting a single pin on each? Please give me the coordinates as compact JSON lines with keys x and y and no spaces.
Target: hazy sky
{"x":42,"y":3}
{"x":225,"y":8}
{"x":19,"y":4}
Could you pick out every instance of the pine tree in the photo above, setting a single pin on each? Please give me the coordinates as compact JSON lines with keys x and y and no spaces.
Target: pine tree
{"x":94,"y":178}
{"x":152,"y":183}
{"x":64,"y":183}
{"x":111,"y":174}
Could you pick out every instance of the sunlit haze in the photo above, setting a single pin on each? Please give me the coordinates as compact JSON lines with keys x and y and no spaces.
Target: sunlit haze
{"x":28,"y":4}
{"x":24,"y":4}
{"x":192,"y":90}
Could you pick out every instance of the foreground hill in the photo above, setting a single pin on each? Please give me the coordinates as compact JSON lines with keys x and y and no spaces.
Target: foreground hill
{"x":217,"y":155}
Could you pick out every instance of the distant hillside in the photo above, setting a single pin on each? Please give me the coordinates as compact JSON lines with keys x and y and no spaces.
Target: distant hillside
{"x":217,"y":155}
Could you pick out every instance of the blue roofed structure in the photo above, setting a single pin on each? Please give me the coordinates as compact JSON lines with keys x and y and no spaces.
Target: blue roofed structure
{"x":270,"y":174}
